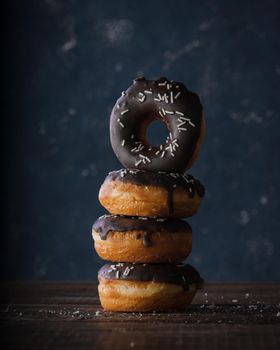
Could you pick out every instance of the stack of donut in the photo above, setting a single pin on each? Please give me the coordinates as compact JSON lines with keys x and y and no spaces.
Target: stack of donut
{"x":144,"y":236}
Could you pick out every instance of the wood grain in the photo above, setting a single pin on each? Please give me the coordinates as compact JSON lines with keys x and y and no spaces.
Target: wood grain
{"x":38,"y":315}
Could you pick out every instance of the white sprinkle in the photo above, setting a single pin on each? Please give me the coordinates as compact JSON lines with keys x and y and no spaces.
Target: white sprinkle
{"x":118,"y":274}
{"x":165,"y":98}
{"x":182,"y":129}
{"x":177,"y":95}
{"x":188,"y":120}
{"x":160,"y":97}
{"x":160,"y":113}
{"x":119,"y":121}
{"x":113,"y":267}
{"x":157,"y":153}
{"x":126,"y":271}
{"x":183,"y":118}
{"x":123,"y":143}
{"x":180,"y":124}
{"x":162,"y":84}
{"x":125,"y":111}
{"x":148,"y":91}
{"x":156,"y":99}
{"x":123,"y":93}
{"x":118,"y":106}
{"x":177,"y":86}
{"x":172,"y":154}
{"x":169,"y":112}
{"x":141,"y":156}
{"x":163,"y":111}
{"x":134,"y":149}
{"x":169,"y":86}
{"x":171,"y":97}
{"x":142,"y":97}
{"x":148,"y":159}
{"x":132,"y":136}
{"x":137,"y":163}
{"x":180,"y":113}
{"x":160,"y":219}
{"x":162,"y":155}
{"x":161,"y":147}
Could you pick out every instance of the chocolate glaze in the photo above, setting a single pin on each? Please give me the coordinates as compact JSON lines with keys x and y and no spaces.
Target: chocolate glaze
{"x":168,"y":181}
{"x":121,"y":223}
{"x":148,"y":100}
{"x":182,"y":275}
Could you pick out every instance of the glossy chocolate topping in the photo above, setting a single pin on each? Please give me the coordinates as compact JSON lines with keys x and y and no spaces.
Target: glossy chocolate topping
{"x":120,"y":223}
{"x":148,"y":100}
{"x":183,"y":275}
{"x":168,"y":181}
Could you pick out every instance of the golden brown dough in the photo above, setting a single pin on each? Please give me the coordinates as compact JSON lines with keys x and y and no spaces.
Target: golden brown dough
{"x":130,"y":199}
{"x":142,"y":296}
{"x":129,"y":246}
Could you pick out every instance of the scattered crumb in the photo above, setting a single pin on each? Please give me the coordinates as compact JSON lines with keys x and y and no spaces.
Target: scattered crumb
{"x":247,"y":295}
{"x":98,"y":313}
{"x":7,"y":308}
{"x":132,"y":344}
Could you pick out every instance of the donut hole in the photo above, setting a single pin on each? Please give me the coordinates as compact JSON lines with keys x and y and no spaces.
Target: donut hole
{"x":156,"y":133}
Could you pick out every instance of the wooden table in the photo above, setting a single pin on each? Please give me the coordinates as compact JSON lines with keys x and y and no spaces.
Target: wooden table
{"x":68,"y":316}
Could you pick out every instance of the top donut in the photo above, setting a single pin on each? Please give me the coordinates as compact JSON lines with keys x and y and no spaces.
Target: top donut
{"x":144,"y":102}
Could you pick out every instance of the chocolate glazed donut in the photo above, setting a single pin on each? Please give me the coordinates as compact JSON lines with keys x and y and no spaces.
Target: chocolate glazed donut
{"x":169,"y":102}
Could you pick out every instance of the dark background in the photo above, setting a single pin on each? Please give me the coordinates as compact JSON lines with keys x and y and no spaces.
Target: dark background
{"x":64,"y":64}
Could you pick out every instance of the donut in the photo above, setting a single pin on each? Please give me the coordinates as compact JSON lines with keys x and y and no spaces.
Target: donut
{"x":169,"y":102}
{"x":147,"y":287}
{"x":141,"y":239}
{"x":136,"y":192}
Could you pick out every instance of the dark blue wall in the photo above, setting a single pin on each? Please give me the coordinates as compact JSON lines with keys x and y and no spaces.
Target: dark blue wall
{"x":65,"y":64}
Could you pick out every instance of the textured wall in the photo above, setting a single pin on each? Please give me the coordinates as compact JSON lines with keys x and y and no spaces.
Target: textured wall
{"x":66,"y":62}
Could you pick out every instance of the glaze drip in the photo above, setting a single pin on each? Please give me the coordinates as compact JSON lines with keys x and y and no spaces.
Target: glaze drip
{"x":121,"y":223}
{"x":183,"y":275}
{"x":168,"y":181}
